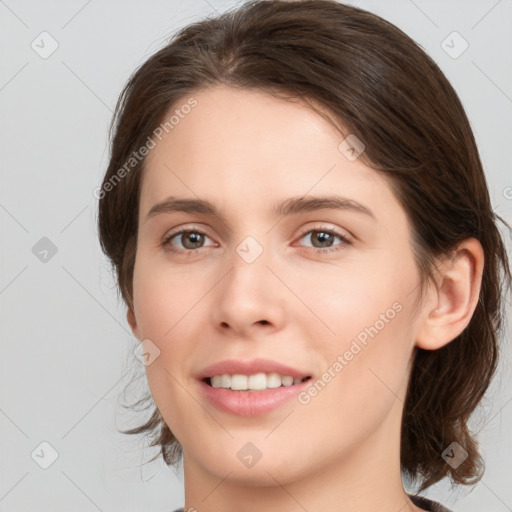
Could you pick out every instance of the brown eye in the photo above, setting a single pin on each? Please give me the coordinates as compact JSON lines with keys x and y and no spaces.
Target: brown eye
{"x":323,"y":240}
{"x":185,"y":240}
{"x":192,"y":239}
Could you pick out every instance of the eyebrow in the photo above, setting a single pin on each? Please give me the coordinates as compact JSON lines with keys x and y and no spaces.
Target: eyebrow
{"x":290,"y":206}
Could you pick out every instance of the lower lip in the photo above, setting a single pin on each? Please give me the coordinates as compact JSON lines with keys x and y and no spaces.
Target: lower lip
{"x":251,"y":403}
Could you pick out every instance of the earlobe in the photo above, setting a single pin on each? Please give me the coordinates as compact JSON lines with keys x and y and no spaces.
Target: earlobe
{"x":452,"y":304}
{"x":132,"y":322}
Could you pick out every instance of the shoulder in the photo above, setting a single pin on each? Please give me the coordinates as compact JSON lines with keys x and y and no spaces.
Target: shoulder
{"x":426,"y":504}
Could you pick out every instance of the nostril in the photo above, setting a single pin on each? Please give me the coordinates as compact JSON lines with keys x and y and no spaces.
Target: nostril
{"x":263,"y":322}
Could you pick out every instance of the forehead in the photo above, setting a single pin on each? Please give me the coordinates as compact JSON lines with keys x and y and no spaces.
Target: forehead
{"x":249,"y":147}
{"x":225,"y":121}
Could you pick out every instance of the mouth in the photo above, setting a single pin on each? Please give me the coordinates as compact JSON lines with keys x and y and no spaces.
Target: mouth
{"x":251,"y":387}
{"x":253,"y":383}
{"x":233,"y":394}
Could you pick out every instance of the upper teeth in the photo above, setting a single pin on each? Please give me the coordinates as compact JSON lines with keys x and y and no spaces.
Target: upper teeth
{"x":256,"y":382}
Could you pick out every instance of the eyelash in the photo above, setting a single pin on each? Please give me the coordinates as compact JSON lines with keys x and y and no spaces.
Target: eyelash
{"x":344,"y":239}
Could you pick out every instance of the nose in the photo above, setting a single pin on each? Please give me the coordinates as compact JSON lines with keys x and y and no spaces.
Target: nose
{"x":249,"y":300}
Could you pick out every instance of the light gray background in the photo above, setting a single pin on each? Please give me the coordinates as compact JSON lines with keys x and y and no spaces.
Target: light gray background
{"x":66,"y":347}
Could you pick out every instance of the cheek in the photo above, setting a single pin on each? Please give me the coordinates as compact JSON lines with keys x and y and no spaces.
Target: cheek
{"x":164,"y":294}
{"x":169,"y":306}
{"x":367,"y":307}
{"x":351,"y":294}
{"x":366,"y":371}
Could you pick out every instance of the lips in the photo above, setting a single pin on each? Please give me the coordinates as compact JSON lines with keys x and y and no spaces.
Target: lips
{"x":248,"y":402}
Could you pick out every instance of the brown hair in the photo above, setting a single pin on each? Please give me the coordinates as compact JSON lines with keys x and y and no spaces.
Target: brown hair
{"x":378,"y":84}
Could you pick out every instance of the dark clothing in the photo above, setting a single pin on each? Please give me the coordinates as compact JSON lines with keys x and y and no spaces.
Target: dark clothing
{"x":419,"y":501}
{"x":425,"y":503}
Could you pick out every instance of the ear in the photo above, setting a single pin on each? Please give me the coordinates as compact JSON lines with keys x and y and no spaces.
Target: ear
{"x":451,"y":305}
{"x":132,"y":321}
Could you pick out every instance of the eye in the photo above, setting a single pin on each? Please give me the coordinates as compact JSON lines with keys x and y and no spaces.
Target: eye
{"x":322,"y":240}
{"x":187,"y":240}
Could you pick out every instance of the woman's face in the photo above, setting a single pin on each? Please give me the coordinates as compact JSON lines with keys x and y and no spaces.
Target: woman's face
{"x":324,"y":289}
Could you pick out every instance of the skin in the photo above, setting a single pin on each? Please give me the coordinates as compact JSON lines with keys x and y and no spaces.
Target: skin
{"x":244,"y":151}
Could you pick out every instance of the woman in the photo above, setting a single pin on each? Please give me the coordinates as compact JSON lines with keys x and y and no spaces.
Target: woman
{"x":302,"y":233}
